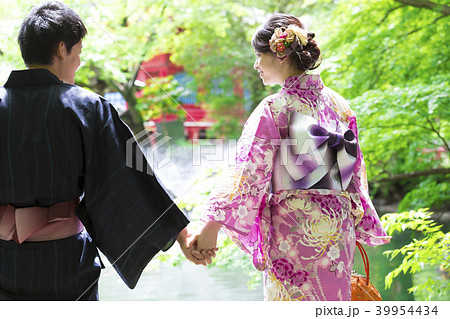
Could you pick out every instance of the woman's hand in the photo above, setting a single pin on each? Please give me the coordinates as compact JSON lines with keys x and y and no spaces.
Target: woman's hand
{"x":206,"y":244}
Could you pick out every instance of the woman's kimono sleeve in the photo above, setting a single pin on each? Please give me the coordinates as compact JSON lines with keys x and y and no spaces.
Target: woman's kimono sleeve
{"x":239,"y":200}
{"x":127,"y":213}
{"x":368,"y":227}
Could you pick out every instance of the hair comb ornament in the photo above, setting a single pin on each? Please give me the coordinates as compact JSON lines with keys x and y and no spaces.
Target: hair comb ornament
{"x":283,"y":43}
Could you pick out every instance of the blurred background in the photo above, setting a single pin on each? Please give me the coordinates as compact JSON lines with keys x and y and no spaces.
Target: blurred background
{"x":184,"y":69}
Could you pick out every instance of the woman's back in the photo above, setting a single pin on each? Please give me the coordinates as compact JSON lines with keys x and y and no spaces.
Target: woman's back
{"x":297,"y":200}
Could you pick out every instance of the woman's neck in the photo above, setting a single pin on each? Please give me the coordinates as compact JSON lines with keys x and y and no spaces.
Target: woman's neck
{"x":290,"y":72}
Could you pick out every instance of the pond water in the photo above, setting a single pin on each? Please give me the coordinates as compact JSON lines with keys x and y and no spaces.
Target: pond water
{"x":184,"y":282}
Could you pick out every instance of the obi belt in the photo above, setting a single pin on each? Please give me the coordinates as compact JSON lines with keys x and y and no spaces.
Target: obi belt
{"x":39,"y":223}
{"x":314,"y":156}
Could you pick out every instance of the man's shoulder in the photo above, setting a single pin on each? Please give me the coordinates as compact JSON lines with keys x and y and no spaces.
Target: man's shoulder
{"x":77,"y":93}
{"x":3,"y":94}
{"x":79,"y":98}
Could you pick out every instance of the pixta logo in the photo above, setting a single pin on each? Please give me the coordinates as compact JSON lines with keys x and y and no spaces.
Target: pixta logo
{"x":151,"y":144}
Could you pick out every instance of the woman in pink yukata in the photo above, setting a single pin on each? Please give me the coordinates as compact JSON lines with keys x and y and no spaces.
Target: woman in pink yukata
{"x":297,"y":199}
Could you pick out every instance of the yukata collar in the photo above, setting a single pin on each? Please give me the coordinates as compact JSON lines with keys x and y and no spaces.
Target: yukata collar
{"x":303,"y":82}
{"x":31,"y":77}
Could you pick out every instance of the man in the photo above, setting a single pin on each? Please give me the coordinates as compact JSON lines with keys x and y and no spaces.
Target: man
{"x":59,"y":143}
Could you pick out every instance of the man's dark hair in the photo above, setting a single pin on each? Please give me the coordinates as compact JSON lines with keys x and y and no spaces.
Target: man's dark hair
{"x":44,"y":28}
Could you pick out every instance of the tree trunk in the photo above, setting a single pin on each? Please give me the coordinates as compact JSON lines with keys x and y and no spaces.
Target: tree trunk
{"x":132,"y":116}
{"x":133,"y":119}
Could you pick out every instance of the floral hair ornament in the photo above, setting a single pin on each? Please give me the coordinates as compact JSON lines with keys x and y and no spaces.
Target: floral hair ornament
{"x":283,"y":39}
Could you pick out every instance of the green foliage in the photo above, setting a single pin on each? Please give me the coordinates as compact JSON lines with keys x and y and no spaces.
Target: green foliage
{"x":192,"y":201}
{"x":209,"y":38}
{"x":226,"y":126}
{"x":11,"y":17}
{"x":159,"y":98}
{"x":405,"y":130}
{"x":431,"y":192}
{"x":120,"y":37}
{"x":400,"y":124}
{"x":389,"y":44}
{"x":429,"y":247}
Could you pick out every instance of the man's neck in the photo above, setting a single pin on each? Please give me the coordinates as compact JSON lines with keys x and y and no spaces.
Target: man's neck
{"x":52,"y":68}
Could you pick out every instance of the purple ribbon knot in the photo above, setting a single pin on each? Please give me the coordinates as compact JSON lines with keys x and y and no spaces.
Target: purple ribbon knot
{"x":319,"y":157}
{"x":335,"y":140}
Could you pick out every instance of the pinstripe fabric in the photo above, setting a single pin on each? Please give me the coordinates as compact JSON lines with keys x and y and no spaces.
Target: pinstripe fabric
{"x":52,"y":270}
{"x":59,"y":142}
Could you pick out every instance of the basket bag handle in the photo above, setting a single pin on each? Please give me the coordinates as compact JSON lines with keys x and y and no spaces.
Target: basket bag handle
{"x":365,"y":260}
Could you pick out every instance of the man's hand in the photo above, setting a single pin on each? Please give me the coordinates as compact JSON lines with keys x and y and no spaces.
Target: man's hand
{"x":186,"y":241}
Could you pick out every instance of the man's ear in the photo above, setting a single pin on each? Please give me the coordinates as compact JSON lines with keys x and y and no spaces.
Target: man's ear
{"x":61,"y":50}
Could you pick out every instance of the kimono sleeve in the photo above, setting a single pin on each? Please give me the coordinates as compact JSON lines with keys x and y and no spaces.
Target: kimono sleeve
{"x":129,"y":216}
{"x":239,"y":200}
{"x":368,"y":227}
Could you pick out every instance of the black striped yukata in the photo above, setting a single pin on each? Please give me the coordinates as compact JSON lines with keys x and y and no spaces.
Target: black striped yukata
{"x":59,"y":142}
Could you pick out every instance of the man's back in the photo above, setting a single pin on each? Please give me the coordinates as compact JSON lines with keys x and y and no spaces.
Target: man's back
{"x":41,"y":143}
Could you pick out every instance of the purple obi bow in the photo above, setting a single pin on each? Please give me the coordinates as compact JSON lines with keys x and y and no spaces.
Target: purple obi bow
{"x":314,"y":154}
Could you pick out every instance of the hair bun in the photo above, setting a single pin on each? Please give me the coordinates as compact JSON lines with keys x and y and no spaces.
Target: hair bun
{"x":306,"y":53}
{"x":303,"y":57}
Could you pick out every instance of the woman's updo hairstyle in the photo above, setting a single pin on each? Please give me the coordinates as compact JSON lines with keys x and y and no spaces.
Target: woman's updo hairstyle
{"x":304,"y":57}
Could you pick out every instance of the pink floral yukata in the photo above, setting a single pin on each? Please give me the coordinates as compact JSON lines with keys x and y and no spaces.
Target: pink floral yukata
{"x":300,"y":233}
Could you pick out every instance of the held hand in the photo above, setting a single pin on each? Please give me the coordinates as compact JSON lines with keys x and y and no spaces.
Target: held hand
{"x":207,"y":242}
{"x":205,"y":255}
{"x":188,"y":243}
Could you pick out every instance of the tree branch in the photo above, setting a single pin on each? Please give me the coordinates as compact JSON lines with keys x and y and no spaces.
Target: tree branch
{"x":402,"y":37}
{"x":428,"y":172}
{"x":433,"y":6}
{"x":439,"y":135}
{"x":390,"y":11}
{"x":402,"y":125}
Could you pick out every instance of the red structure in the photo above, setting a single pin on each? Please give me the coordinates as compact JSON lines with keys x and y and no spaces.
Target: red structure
{"x":159,"y":66}
{"x":196,"y":122}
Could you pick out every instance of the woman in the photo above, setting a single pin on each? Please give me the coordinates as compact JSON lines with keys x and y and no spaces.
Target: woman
{"x":297,"y":199}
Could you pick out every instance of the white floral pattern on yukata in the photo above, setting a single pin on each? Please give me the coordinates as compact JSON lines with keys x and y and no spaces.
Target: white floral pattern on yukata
{"x":302,"y":240}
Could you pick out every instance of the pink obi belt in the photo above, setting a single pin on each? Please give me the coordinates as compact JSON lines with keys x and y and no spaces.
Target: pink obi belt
{"x":39,"y":223}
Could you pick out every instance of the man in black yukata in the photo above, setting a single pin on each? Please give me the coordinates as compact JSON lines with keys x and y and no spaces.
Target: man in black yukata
{"x":59,"y":142}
